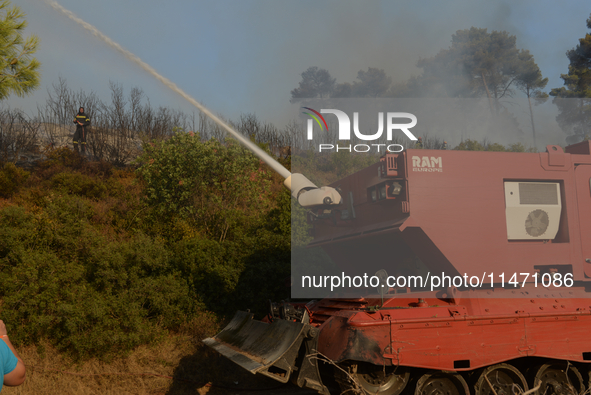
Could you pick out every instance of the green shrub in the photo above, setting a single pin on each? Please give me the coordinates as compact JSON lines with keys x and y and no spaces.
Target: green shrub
{"x":79,"y":184}
{"x":496,"y":147}
{"x":88,"y":295}
{"x":469,"y":145}
{"x":219,"y":188}
{"x":212,"y":269}
{"x":96,"y":264}
{"x":65,"y":157}
{"x":11,"y":179}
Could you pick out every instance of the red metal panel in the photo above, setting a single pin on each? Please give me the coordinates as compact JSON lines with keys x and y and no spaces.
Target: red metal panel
{"x":454,"y":202}
{"x":462,"y":209}
{"x":583,"y":176}
{"x":457,"y":222}
{"x":582,"y":148}
{"x":478,"y":332}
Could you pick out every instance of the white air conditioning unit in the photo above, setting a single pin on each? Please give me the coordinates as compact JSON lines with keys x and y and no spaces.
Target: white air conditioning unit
{"x":532,"y":210}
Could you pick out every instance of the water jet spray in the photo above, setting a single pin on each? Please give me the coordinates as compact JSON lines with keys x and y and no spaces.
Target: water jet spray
{"x":307,"y":194}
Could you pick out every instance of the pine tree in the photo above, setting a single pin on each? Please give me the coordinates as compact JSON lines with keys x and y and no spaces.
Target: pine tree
{"x":315,"y":83}
{"x":19,"y":71}
{"x":477,"y":64}
{"x":530,"y":82}
{"x":574,"y":99}
{"x":372,"y":83}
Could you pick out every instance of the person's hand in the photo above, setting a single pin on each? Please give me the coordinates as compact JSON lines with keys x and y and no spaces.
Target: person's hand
{"x":3,"y":329}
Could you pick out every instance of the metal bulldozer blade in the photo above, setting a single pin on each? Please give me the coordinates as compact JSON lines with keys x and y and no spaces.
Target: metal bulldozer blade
{"x":259,"y":347}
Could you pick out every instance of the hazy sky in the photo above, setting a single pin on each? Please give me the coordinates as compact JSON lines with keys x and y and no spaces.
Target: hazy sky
{"x":246,"y":56}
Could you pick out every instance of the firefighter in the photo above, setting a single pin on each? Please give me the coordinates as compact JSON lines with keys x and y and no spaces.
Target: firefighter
{"x":444,"y":145}
{"x":82,"y":121}
{"x":419,"y":143}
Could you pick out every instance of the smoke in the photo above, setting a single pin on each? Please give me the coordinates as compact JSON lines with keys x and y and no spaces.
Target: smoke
{"x":249,"y":56}
{"x":248,"y":144}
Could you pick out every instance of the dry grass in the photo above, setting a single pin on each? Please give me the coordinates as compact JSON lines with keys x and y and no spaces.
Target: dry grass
{"x":178,"y":365}
{"x":139,"y":373}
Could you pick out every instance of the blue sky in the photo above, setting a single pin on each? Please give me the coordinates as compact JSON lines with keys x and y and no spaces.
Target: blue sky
{"x":246,"y":56}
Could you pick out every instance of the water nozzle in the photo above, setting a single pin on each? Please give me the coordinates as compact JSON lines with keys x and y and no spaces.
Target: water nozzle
{"x":308,"y":194}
